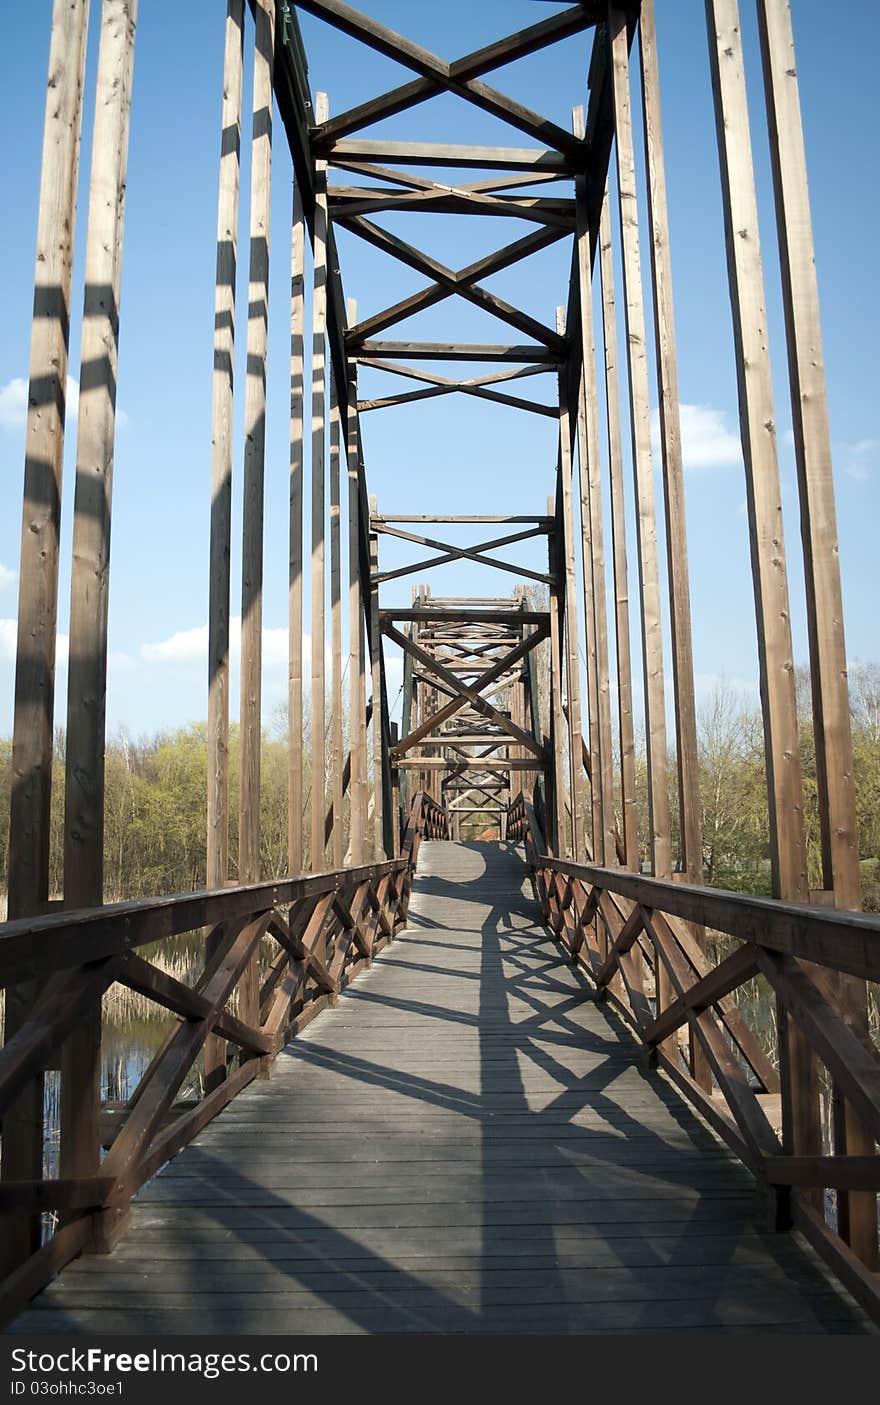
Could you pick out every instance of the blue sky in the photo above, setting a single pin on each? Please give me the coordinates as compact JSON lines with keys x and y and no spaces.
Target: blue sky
{"x":449,"y":454}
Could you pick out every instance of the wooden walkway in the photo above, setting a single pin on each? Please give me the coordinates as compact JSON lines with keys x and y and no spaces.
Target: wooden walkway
{"x":467,"y":1143}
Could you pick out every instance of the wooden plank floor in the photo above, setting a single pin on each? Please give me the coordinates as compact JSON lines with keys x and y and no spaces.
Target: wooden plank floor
{"x":467,"y":1143}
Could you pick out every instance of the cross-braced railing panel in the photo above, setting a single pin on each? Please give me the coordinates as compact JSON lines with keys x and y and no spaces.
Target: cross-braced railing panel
{"x":625,"y":929}
{"x":272,"y":957}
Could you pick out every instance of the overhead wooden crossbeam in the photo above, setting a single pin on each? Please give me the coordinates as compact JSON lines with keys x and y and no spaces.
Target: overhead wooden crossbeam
{"x":445,"y":385}
{"x":465,"y":616}
{"x":462,"y":284}
{"x":437,"y":75}
{"x":459,"y":553}
{"x":472,"y":695}
{"x":452,"y":200}
{"x":469,"y":693}
{"x":459,"y":351}
{"x":475,"y":191}
{"x":425,"y":153}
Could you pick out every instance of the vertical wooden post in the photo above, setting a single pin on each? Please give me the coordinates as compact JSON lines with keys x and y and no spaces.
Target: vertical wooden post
{"x":812,"y":438}
{"x":33,"y":729}
{"x":254,"y":462}
{"x":90,"y":575}
{"x":376,"y":673}
{"x":689,"y":801}
{"x":295,"y":575}
{"x":589,"y":467}
{"x":336,"y":741}
{"x":357,"y":686}
{"x":556,"y":833}
{"x":221,"y":452}
{"x":319,"y":399}
{"x":764,"y":502}
{"x":217,"y":844}
{"x":572,"y":663}
{"x":673,"y":468}
{"x":628,"y":805}
{"x":646,"y":521}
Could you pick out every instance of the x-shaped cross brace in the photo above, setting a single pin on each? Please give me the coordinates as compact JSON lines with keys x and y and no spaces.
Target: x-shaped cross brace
{"x":466,"y":693}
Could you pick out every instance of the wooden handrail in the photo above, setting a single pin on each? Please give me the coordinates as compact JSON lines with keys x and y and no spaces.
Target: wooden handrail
{"x":323,"y":930}
{"x":623,"y":929}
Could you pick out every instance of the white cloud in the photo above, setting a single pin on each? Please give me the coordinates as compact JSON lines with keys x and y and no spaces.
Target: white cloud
{"x":191,"y":646}
{"x":706,"y":438}
{"x":14,"y":403}
{"x":7,"y":577}
{"x":860,"y":458}
{"x":8,"y":635}
{"x":184,"y":646}
{"x":9,"y":639}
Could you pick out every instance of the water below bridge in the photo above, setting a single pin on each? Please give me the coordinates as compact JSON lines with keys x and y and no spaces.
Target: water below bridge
{"x":468,"y":1142}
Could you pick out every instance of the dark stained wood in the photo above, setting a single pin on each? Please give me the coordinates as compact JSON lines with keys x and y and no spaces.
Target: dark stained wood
{"x":33,"y":725}
{"x":90,"y":571}
{"x":436,"y":1158}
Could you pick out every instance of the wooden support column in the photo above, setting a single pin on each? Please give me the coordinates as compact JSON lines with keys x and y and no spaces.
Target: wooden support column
{"x":673,"y":467}
{"x":572,"y":663}
{"x":376,"y":674}
{"x":221,"y":452}
{"x":357,"y":685}
{"x":589,"y":467}
{"x":295,"y":574}
{"x":646,"y":521}
{"x":628,"y":805}
{"x":689,"y":800}
{"x":828,"y":663}
{"x":254,"y":463}
{"x":556,"y":820}
{"x":336,"y":741}
{"x":319,"y":410}
{"x":764,"y":502}
{"x":217,"y":845}
{"x":33,"y":728}
{"x":90,"y":575}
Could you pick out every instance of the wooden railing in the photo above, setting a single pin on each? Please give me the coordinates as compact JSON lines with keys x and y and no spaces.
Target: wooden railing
{"x":637,"y":938}
{"x":275,"y":955}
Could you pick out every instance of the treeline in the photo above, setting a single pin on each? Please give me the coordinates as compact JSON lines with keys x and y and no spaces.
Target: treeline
{"x":156,"y":800}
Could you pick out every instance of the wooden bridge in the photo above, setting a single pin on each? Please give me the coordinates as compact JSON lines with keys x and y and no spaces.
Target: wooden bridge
{"x":443,"y":1085}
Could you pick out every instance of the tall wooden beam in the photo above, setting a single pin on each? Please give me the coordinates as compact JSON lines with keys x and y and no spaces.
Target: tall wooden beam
{"x":566,"y":560}
{"x":295,"y":577}
{"x":671,"y":454}
{"x":646,"y":521}
{"x":217,"y":844}
{"x":221,"y":452}
{"x":764,"y":503}
{"x":254,"y":465}
{"x":33,"y":728}
{"x":336,"y":742}
{"x":90,"y":575}
{"x":628,"y":804}
{"x":556,"y":831}
{"x":357,"y":686}
{"x":376,"y":675}
{"x":828,"y":663}
{"x":589,"y":470}
{"x":319,"y":413}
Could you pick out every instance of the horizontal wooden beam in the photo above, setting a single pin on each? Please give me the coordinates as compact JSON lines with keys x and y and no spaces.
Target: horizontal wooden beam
{"x":826,"y":1172}
{"x":842,"y":941}
{"x":428,"y":616}
{"x":414,"y":153}
{"x":457,"y":351}
{"x":32,"y":946}
{"x":545,"y":523}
